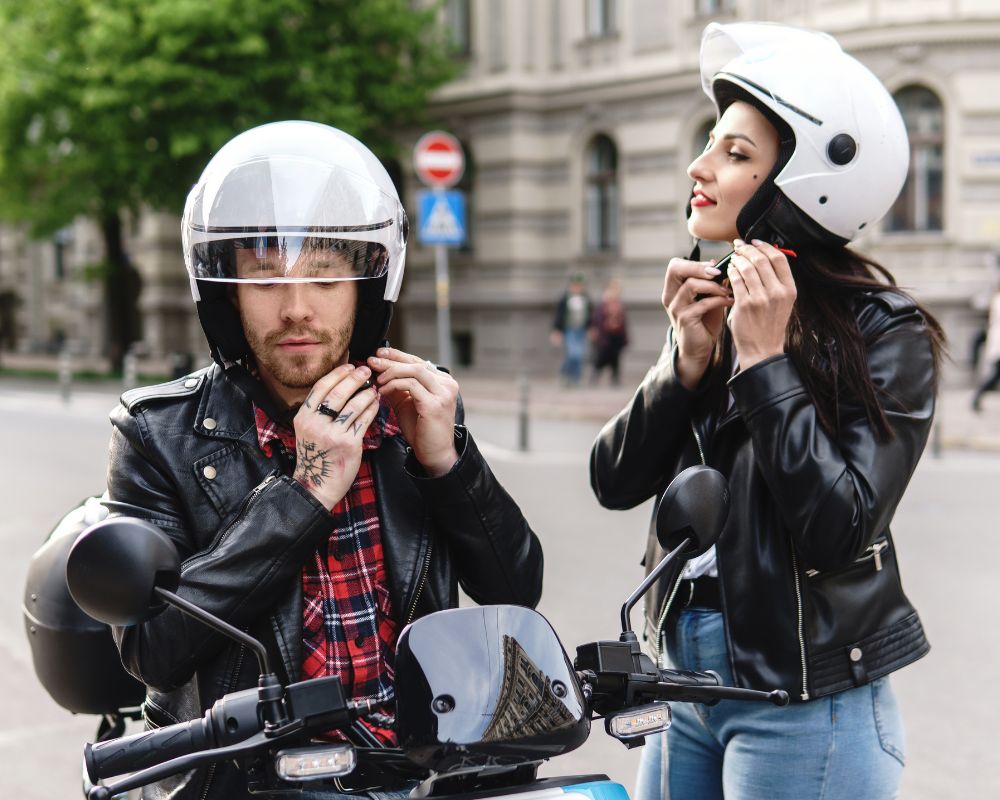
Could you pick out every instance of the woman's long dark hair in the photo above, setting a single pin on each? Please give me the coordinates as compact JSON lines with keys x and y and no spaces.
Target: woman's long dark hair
{"x":825,"y":342}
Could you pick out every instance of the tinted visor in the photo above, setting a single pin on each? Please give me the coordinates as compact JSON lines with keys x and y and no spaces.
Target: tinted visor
{"x":269,"y":257}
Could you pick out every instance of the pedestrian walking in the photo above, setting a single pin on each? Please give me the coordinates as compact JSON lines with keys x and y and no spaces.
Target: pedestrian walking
{"x":609,"y":333}
{"x":990,"y":354}
{"x":569,"y":329}
{"x":804,"y":375}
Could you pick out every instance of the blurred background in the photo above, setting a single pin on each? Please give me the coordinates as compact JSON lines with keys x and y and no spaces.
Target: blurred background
{"x":578,"y":119}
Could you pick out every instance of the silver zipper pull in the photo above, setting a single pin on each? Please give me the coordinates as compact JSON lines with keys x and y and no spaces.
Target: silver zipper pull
{"x":877,"y":550}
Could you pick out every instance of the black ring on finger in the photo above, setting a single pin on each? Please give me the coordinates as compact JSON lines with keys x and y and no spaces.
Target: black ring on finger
{"x":326,"y":411}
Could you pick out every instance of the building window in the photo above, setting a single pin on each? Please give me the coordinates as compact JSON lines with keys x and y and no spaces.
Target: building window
{"x":601,"y":18}
{"x":458,"y":17}
{"x":601,"y":213}
{"x":919,"y":206}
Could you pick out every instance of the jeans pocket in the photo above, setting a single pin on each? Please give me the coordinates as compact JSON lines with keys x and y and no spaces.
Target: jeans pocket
{"x":888,"y":720}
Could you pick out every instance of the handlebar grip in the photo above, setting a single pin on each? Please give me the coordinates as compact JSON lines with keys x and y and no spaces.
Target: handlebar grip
{"x":132,"y":753}
{"x":688,"y":678}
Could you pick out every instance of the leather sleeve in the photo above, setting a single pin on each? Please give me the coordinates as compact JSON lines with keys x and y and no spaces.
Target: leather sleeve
{"x":837,"y":495}
{"x":237,"y":578}
{"x":635,"y":451}
{"x":497,"y":557}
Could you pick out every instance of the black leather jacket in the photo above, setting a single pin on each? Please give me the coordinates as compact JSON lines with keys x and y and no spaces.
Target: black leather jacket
{"x":185,"y":457}
{"x":810,"y":589}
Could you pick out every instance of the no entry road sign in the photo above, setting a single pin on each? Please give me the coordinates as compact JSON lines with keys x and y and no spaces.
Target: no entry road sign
{"x":438,"y":159}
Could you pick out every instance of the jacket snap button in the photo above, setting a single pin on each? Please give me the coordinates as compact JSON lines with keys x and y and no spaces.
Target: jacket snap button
{"x":190,"y":383}
{"x":209,"y":424}
{"x":210,"y":473}
{"x":855,"y":654}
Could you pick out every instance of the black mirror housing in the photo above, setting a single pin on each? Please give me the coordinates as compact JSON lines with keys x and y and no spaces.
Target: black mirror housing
{"x":695,"y":506}
{"x":114,"y":567}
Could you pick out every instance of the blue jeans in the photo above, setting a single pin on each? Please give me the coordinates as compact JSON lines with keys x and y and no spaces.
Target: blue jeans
{"x":574,"y":351}
{"x":846,"y":746}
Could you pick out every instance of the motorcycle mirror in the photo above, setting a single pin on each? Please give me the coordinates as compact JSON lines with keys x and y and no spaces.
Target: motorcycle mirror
{"x":695,"y":506}
{"x":115,"y":566}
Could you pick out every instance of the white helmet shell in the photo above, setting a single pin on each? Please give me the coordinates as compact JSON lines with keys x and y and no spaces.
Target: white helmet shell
{"x":851,"y":151}
{"x":308,"y":192}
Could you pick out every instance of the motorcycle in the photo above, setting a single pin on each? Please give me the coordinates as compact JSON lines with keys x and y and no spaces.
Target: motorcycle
{"x":484,"y":695}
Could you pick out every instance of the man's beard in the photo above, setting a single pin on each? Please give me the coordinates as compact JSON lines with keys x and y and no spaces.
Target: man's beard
{"x":300,"y":371}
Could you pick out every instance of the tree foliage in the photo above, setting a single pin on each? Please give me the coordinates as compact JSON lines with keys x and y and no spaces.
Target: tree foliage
{"x":108,"y":105}
{"x":111,"y":104}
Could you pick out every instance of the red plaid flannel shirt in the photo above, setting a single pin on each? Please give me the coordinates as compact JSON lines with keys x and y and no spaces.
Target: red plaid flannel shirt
{"x":348,"y":627}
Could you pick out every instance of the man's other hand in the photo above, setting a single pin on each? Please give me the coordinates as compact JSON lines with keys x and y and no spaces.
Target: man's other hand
{"x":424,"y":399}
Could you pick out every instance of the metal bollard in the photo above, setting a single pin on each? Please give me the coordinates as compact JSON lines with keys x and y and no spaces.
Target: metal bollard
{"x":130,"y":368}
{"x":522,"y":414}
{"x":66,"y":375}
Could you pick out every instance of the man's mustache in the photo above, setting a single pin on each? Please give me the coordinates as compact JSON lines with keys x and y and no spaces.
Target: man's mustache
{"x":274,"y":337}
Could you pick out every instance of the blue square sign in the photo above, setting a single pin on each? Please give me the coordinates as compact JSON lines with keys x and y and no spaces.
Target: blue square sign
{"x":441,"y":217}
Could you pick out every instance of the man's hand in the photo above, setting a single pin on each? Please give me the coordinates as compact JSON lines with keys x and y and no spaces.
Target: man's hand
{"x":765,"y":293}
{"x":697,"y":307}
{"x":329,"y":428}
{"x":424,"y":399}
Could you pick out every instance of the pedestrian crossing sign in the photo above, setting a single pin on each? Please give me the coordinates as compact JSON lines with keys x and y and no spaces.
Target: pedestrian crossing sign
{"x":441,"y":217}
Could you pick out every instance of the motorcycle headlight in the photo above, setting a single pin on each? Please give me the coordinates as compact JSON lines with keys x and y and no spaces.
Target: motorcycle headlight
{"x":315,"y":762}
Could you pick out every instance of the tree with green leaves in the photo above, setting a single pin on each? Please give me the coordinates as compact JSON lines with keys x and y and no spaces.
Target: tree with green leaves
{"x":109,"y":106}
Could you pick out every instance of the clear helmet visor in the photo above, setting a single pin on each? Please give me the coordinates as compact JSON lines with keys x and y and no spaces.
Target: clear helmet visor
{"x":290,"y":218}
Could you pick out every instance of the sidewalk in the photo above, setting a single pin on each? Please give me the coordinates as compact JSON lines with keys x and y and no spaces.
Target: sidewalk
{"x":956,"y":426}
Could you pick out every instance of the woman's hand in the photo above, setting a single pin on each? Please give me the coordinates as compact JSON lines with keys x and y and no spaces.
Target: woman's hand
{"x":424,"y":399}
{"x":697,"y":307}
{"x":764,"y":293}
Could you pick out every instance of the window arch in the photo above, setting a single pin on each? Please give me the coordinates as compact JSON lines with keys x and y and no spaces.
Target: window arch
{"x":601,"y":198}
{"x":920,"y":205}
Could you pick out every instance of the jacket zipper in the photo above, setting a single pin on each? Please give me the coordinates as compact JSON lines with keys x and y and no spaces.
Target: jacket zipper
{"x":872,"y":553}
{"x":257,"y":492}
{"x":425,"y":568}
{"x":677,"y":584}
{"x":802,"y":638}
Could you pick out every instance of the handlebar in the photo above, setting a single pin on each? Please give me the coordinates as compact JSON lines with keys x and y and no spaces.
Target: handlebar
{"x":132,"y":753}
{"x":706,"y":687}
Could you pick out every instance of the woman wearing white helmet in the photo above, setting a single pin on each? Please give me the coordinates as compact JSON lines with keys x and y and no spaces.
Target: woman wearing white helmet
{"x":802,"y":373}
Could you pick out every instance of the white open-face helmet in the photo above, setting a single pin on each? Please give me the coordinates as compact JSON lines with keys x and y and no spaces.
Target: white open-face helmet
{"x":844,"y":153}
{"x":293,"y":201}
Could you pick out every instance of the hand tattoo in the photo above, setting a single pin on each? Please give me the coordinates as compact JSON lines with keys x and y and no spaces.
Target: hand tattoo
{"x":356,"y":427}
{"x":344,"y":417}
{"x":312,"y":465}
{"x":306,"y":403}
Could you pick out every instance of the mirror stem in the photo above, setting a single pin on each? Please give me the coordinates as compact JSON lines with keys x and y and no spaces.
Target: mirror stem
{"x":650,"y":578}
{"x":216,"y":624}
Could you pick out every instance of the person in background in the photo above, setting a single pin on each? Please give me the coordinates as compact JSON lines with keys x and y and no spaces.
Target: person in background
{"x":569,"y":329}
{"x":804,"y":375}
{"x":609,"y":333}
{"x":990,"y":354}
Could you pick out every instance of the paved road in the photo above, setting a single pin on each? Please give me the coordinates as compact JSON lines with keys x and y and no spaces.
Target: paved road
{"x":945,"y":529}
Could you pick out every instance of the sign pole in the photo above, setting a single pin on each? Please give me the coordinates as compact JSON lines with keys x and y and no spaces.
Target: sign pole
{"x":439,"y":162}
{"x":443,"y":292}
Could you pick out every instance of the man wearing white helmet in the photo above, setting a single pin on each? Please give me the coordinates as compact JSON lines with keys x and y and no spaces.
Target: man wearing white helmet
{"x":798,"y":369}
{"x":320,"y":487}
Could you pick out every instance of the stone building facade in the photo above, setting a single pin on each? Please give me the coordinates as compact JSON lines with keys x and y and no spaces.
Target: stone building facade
{"x":579,"y":118}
